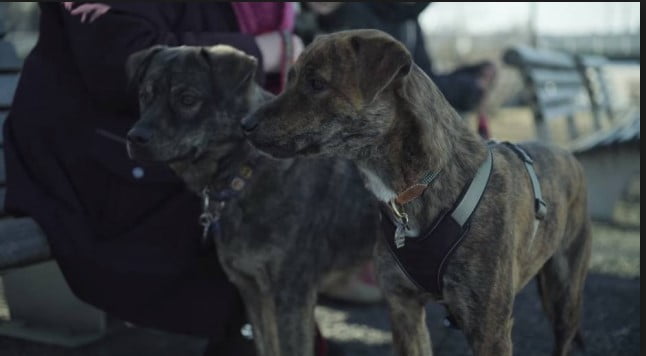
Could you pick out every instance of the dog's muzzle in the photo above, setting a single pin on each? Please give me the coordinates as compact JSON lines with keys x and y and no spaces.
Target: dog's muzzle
{"x":139,"y":136}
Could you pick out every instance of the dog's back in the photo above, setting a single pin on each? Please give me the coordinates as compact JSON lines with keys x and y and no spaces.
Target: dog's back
{"x":316,"y":212}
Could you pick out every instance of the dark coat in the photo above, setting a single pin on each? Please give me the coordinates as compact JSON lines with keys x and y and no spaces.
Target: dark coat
{"x":126,"y":243}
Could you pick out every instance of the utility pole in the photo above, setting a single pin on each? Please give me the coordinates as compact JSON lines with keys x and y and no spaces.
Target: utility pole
{"x":531,"y":24}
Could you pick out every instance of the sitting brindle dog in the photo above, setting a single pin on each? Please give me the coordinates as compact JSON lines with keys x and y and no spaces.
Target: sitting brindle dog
{"x":280,"y":227}
{"x":358,"y":95}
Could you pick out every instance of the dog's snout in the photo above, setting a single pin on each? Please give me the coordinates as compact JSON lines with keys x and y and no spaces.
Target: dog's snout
{"x":139,"y":135}
{"x":249,"y":123}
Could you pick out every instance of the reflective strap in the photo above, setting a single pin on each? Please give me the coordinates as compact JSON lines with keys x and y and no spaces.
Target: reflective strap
{"x":539,"y":205}
{"x":540,"y":208}
{"x":476,"y":189}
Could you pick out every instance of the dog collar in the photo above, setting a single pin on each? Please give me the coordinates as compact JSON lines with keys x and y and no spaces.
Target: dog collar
{"x":416,"y":190}
{"x":409,"y":194}
{"x":214,"y":202}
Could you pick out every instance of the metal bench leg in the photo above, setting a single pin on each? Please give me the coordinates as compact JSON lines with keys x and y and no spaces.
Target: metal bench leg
{"x":543,"y":131}
{"x":571,"y":127}
{"x":42,"y":308}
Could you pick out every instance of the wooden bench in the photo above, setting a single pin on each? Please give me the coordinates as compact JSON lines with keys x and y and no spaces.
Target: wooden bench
{"x":559,"y":86}
{"x":40,"y":304}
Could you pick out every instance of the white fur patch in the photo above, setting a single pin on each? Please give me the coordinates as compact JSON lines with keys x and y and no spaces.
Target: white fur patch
{"x":382,"y":192}
{"x":377,"y":186}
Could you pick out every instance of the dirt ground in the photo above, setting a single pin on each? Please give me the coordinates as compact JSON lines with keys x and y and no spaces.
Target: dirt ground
{"x":611,"y":318}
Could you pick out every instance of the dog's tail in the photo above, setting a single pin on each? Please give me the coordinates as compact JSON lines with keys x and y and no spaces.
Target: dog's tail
{"x":579,"y":341}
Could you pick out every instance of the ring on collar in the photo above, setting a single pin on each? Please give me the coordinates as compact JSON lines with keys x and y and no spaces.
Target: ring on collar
{"x":402,"y":216}
{"x":210,"y":215}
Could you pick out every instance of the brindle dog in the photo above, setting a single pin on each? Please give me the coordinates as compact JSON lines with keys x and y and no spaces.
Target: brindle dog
{"x":358,"y":95}
{"x":285,"y":225}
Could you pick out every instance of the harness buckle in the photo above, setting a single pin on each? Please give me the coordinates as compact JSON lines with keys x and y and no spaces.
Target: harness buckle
{"x":402,"y":224}
{"x":540,"y":208}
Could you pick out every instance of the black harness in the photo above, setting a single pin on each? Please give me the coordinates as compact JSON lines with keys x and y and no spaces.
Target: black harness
{"x":424,"y":258}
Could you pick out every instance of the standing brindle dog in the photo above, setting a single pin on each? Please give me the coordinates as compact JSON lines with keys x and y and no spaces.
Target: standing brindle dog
{"x":284,"y":226}
{"x":358,"y":95}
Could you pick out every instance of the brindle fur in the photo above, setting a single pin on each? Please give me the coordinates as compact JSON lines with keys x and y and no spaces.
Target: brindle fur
{"x":358,"y":95}
{"x":295,"y":223}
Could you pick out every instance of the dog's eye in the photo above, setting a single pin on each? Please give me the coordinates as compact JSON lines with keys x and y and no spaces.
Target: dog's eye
{"x":317,"y":84}
{"x":188,"y":100}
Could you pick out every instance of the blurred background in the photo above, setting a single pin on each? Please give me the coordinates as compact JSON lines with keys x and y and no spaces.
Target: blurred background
{"x":533,"y":47}
{"x":461,"y":33}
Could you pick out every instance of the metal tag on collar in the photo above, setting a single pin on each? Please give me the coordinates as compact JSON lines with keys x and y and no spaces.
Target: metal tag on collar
{"x":210,"y":215}
{"x":246,"y":171}
{"x":237,"y":184}
{"x":402,"y":224}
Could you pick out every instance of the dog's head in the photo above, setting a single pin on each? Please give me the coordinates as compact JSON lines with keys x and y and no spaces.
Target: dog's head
{"x":191,"y":100}
{"x":339,"y":99}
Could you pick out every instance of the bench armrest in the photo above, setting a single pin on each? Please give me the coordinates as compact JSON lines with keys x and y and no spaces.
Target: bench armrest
{"x":22,"y":242}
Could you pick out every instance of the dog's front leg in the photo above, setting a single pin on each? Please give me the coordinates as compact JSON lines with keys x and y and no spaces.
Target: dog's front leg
{"x":262,"y":316}
{"x":482,"y":304}
{"x":282,"y":318}
{"x":406,"y":306}
{"x":295,"y":320}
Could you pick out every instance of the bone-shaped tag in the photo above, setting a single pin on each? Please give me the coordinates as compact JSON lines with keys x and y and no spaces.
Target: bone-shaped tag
{"x":400,"y":235}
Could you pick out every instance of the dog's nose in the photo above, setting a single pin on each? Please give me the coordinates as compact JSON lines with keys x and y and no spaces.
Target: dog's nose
{"x":139,"y":135}
{"x":249,"y":123}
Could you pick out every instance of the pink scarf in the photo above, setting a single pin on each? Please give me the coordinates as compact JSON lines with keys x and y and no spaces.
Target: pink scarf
{"x":255,"y":18}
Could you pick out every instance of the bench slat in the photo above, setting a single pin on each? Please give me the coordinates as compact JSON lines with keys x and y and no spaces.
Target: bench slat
{"x":3,"y":116}
{"x":558,"y":77}
{"x":592,"y":61}
{"x":3,"y":193}
{"x":555,"y":96}
{"x":522,"y":56}
{"x":8,"y":84}
{"x":3,"y":176}
{"x":22,"y":242}
{"x":9,"y":61}
{"x":559,"y":111}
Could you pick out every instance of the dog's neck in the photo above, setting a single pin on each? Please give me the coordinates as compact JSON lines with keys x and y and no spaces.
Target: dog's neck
{"x":213,"y":169}
{"x":427,"y":135}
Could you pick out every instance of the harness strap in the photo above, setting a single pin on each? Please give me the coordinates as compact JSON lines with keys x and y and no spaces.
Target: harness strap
{"x":471,"y":198}
{"x":539,"y":204}
{"x":540,"y":208}
{"x":424,"y":258}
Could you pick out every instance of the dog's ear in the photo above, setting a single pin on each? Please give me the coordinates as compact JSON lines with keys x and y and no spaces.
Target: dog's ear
{"x":138,"y":62}
{"x":381,"y":60}
{"x":234,"y":69}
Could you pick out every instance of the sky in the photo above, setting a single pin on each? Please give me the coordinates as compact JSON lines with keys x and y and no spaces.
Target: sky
{"x":563,"y":18}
